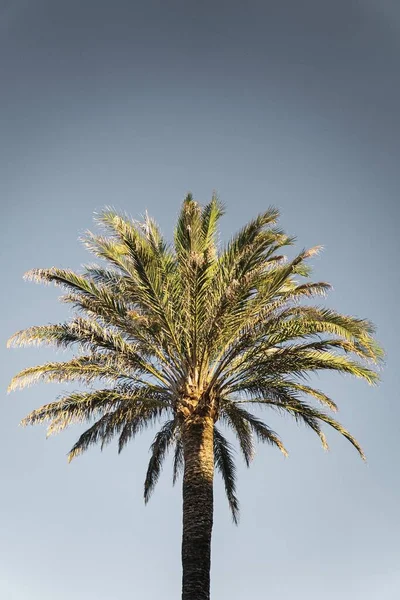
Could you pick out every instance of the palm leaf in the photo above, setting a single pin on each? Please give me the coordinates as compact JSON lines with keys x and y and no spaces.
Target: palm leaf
{"x":159,"y":449}
{"x":178,"y":460}
{"x":112,"y":423}
{"x":262,"y":431}
{"x":234,"y":419}
{"x":225,"y":464}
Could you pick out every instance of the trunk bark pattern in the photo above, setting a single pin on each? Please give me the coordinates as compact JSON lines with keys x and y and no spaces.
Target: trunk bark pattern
{"x":198,"y":451}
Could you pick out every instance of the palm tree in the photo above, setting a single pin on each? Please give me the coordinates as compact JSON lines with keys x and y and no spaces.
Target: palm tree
{"x":187,"y":334}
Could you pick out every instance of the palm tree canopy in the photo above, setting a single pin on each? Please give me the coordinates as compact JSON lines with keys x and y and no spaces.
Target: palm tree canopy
{"x":177,"y":331}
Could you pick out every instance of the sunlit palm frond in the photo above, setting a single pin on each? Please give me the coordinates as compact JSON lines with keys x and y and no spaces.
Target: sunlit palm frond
{"x":83,"y":368}
{"x":79,"y":407}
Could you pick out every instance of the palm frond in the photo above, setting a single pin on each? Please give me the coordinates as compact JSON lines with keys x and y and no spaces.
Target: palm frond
{"x":210,"y":216}
{"x":247,"y":376}
{"x":159,"y":449}
{"x":225,"y":464}
{"x":90,"y":335}
{"x":112,"y":423}
{"x":311,"y":416}
{"x":234,"y":419}
{"x":178,"y":463}
{"x":286,"y":402}
{"x":79,"y":407}
{"x":262,"y":431}
{"x":306,"y":389}
{"x":83,"y":368}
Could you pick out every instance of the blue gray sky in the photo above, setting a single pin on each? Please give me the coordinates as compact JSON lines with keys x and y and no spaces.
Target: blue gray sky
{"x":132,"y":104}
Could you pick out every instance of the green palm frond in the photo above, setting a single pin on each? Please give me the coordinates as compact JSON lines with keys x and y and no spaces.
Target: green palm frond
{"x":108,"y":278}
{"x":188,"y":230}
{"x":243,"y":304}
{"x":91,"y":336}
{"x":114,"y":253}
{"x":233,"y":419}
{"x":103,"y":299}
{"x":245,"y":249}
{"x":262,"y":431}
{"x":225,"y":464}
{"x":178,"y":463}
{"x":85,"y":369}
{"x":144,"y":253}
{"x":159,"y":449}
{"x":252,"y":376}
{"x":210,"y":217}
{"x":303,"y":414}
{"x":306,"y":389}
{"x":196,"y":251}
{"x":112,"y":423}
{"x":79,"y":407}
{"x":284,"y":401}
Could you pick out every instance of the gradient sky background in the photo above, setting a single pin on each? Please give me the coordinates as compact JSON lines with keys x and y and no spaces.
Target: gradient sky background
{"x":292,"y":103}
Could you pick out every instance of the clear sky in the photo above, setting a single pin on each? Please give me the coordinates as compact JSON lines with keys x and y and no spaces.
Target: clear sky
{"x":133,"y":104}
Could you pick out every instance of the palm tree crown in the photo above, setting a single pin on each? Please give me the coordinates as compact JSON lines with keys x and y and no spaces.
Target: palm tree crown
{"x":190,"y":330}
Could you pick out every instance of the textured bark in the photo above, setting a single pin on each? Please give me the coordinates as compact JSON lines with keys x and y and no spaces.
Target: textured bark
{"x":197,"y":506}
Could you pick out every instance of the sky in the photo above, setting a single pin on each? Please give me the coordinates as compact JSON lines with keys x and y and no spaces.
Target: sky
{"x":133,"y":104}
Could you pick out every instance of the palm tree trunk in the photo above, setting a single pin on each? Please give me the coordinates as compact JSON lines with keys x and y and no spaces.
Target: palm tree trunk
{"x":198,"y":475}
